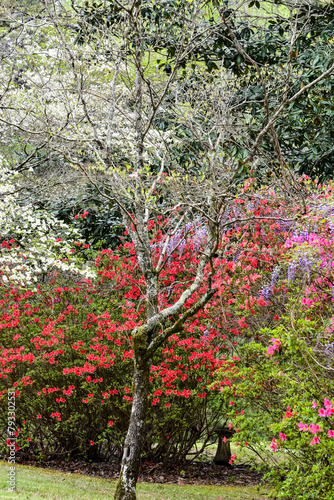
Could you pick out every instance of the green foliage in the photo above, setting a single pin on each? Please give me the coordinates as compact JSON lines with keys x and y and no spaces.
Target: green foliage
{"x":305,"y":130}
{"x":276,"y":394}
{"x":101,"y":228}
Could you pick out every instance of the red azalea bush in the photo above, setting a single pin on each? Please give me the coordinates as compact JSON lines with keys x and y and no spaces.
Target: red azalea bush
{"x":71,"y":369}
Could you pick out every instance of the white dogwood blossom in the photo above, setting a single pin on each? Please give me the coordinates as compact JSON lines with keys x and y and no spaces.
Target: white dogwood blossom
{"x":33,"y":243}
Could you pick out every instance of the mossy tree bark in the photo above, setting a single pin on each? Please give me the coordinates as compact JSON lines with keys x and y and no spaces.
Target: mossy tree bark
{"x":126,"y":486}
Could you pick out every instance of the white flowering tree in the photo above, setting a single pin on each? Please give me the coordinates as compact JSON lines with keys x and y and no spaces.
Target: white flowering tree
{"x":33,"y":243}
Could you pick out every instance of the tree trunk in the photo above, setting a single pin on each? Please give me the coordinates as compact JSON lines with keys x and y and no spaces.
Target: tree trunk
{"x":126,"y":486}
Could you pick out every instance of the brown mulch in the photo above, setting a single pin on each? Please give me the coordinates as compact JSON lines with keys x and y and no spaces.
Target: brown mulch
{"x":186,"y":473}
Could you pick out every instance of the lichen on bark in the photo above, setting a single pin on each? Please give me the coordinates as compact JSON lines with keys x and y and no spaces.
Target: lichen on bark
{"x":126,"y":486}
{"x":122,"y":492}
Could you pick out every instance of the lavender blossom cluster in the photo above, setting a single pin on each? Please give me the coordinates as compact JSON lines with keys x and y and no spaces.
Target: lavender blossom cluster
{"x":179,"y":240}
{"x":331,"y":226}
{"x":304,"y":264}
{"x":292,"y":270}
{"x":284,"y":226}
{"x":267,"y":289}
{"x":330,"y":349}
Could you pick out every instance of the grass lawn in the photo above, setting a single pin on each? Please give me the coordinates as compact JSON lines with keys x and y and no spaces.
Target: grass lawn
{"x":36,"y":484}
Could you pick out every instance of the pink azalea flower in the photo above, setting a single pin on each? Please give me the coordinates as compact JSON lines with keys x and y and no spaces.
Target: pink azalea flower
{"x":275,"y":347}
{"x":314,"y":428}
{"x":314,"y":441}
{"x":282,"y":436}
{"x":302,"y":427}
{"x":273,"y":444}
{"x":330,"y":433}
{"x":327,"y":403}
{"x":329,"y":411}
{"x":322,"y":412}
{"x":270,"y":351}
{"x":314,"y":404}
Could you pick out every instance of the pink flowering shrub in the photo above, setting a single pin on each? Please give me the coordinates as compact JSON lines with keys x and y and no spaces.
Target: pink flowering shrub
{"x":274,"y":347}
{"x":284,"y":381}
